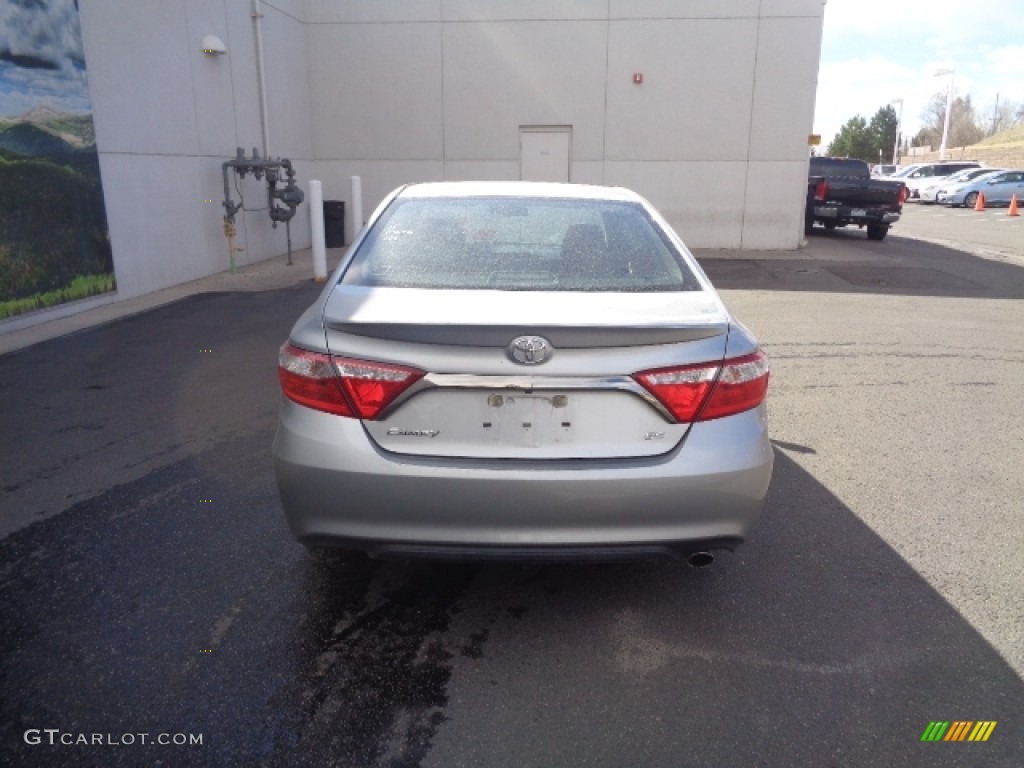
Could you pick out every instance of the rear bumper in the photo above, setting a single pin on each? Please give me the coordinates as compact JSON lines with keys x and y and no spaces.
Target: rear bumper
{"x":337,"y":488}
{"x":846,"y":215}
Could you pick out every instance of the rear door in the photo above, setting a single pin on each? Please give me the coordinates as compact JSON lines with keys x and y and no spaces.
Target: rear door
{"x":1009,"y":185}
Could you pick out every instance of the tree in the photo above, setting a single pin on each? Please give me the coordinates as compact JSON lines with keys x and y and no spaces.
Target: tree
{"x":852,"y":139}
{"x":864,"y":140}
{"x":1004,"y":114}
{"x":883,"y":129}
{"x":963,"y":124}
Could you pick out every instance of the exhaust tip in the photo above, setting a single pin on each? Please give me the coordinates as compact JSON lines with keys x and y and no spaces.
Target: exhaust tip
{"x":700,"y":559}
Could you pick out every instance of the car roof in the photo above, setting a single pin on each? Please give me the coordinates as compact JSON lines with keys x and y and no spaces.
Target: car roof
{"x":522,"y":189}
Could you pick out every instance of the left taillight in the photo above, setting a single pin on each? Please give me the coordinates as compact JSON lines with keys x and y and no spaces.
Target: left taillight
{"x":710,"y":390}
{"x":345,"y":387}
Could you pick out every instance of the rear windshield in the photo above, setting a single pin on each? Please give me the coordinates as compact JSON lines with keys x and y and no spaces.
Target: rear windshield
{"x":518,"y":244}
{"x":834,"y":168}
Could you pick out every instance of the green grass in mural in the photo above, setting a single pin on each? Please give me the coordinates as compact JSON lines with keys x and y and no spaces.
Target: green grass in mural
{"x":82,"y":287}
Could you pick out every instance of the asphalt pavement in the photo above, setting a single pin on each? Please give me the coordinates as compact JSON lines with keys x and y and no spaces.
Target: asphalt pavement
{"x":151,"y":591}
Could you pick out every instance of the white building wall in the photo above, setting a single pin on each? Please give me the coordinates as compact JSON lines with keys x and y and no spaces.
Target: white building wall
{"x":715,"y":136}
{"x":415,"y":90}
{"x":167,"y":116}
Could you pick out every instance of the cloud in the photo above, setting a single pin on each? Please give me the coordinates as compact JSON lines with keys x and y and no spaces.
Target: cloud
{"x":43,"y":31}
{"x":1008,"y":60}
{"x":41,"y":53}
{"x":877,"y":50}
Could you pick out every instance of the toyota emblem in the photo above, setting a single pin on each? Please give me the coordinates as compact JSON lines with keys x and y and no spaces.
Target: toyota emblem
{"x":529,"y":350}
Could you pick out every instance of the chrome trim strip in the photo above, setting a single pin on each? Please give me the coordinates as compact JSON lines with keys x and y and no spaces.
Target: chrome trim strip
{"x":524,"y":383}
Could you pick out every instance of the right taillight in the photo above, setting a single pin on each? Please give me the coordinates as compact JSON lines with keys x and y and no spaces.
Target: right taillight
{"x":710,"y":390}
{"x":358,"y":389}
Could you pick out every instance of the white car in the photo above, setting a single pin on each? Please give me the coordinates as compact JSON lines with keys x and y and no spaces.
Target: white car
{"x":927,"y":173}
{"x":902,"y":172}
{"x":927,"y":192}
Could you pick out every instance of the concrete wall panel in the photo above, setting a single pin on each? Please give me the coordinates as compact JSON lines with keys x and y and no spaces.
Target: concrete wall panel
{"x":811,"y":8}
{"x":481,"y":170}
{"x":211,"y":81}
{"x":287,"y":82}
{"x":157,"y":242}
{"x":587,"y":172}
{"x":703,"y":201}
{"x":524,"y":10}
{"x":697,"y":111}
{"x":687,"y":9}
{"x":785,"y":86}
{"x":140,"y":80}
{"x":774,"y":205}
{"x":372,"y":11}
{"x":500,"y":76}
{"x":376,"y":91}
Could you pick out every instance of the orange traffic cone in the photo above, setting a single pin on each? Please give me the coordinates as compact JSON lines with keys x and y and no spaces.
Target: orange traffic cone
{"x":980,"y":204}
{"x":1013,"y":207}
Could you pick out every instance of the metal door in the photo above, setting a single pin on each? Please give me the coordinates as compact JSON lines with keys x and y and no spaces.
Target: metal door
{"x":544,"y":154}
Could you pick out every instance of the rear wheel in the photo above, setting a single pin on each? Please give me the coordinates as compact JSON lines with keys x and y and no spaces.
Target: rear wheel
{"x":877,"y":231}
{"x":971,"y":199}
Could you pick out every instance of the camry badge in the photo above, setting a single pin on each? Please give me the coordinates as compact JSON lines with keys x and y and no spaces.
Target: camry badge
{"x":396,"y":432}
{"x":530,"y":350}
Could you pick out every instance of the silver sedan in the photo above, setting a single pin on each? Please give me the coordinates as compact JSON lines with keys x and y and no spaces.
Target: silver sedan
{"x":521,"y":370}
{"x":998,"y":188}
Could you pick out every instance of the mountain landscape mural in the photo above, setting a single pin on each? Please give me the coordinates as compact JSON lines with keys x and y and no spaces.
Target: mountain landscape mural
{"x":54,"y":241}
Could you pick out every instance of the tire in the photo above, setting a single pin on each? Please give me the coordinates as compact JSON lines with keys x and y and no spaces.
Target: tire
{"x":877,"y":231}
{"x":808,"y":223}
{"x":971,"y":199}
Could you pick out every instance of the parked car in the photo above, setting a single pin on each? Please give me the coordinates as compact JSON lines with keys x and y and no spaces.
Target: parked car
{"x":841,"y":192}
{"x":926,"y":173}
{"x":883,"y":169}
{"x":927,"y":192}
{"x":902,"y":171}
{"x":998,"y":188}
{"x":518,"y":369}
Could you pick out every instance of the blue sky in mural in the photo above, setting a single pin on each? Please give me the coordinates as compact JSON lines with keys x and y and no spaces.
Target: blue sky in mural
{"x":42,"y":63}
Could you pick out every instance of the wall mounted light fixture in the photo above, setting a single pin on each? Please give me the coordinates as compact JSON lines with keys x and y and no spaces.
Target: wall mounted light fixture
{"x":213,"y":46}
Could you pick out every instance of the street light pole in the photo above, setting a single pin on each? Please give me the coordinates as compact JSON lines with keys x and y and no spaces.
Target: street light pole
{"x":949,"y":109}
{"x":899,"y":127}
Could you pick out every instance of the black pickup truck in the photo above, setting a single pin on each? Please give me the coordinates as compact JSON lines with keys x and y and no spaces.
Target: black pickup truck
{"x":840,"y":191}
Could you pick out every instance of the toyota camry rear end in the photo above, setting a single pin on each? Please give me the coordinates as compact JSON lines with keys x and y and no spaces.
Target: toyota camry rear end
{"x":518,"y":370}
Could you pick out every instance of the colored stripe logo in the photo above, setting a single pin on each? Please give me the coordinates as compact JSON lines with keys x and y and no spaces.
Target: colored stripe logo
{"x":958,"y":730}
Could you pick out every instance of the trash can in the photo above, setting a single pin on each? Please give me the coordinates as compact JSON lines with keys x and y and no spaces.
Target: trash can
{"x":334,"y":223}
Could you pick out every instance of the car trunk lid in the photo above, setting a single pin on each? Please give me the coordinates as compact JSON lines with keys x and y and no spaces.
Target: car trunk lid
{"x":477,"y":401}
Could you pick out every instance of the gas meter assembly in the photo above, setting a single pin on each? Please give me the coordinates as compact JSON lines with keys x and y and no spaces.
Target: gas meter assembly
{"x":276,"y":172}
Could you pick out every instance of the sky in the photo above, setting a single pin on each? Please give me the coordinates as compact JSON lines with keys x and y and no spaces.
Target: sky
{"x":876,"y":51}
{"x":41,"y":58}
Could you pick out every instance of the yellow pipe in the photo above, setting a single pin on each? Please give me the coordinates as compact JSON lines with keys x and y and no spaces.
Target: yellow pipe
{"x":229,"y":232}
